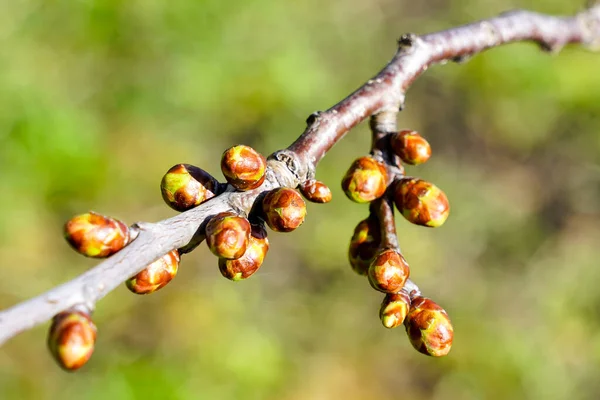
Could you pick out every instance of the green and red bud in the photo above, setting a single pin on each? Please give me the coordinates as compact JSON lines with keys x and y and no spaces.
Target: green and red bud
{"x":315,"y":191}
{"x":71,"y":339}
{"x":394,"y":308}
{"x":284,"y":209}
{"x":186,"y":186}
{"x":411,"y":147}
{"x":365,"y":180}
{"x":364,"y":245}
{"x":252,"y":259}
{"x":95,"y":235}
{"x":429,"y":328}
{"x":421,"y":202}
{"x":388,"y":271}
{"x":243,"y":167}
{"x":155,"y":275}
{"x":227,"y":235}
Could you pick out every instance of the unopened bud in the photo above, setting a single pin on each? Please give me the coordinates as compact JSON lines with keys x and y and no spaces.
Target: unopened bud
{"x":95,"y":235}
{"x":365,"y":181}
{"x":71,"y":339}
{"x":394,"y":308}
{"x":411,"y":147}
{"x":284,"y":210}
{"x":243,"y":167}
{"x":364,"y":244}
{"x":315,"y":191}
{"x":186,"y":186}
{"x":421,"y":202}
{"x":252,"y":259}
{"x":227,"y":235}
{"x":155,"y":275}
{"x":429,"y":328}
{"x":388,"y":271}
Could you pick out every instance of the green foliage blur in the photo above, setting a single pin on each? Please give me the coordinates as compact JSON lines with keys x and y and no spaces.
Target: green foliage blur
{"x":99,"y":98}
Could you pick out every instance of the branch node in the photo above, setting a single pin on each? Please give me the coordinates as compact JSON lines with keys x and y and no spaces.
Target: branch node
{"x":293,"y":171}
{"x":313,"y":117}
{"x":462,"y":58}
{"x":407,"y":40}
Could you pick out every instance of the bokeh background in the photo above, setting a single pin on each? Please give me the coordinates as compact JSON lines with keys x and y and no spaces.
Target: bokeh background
{"x":99,"y":98}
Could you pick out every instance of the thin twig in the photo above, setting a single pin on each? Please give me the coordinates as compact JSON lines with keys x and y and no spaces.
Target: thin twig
{"x":385,"y":92}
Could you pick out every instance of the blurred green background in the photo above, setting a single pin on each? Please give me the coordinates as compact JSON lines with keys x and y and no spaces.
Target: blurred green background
{"x":99,"y":98}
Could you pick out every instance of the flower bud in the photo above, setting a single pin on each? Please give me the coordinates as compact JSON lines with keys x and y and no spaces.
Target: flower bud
{"x":429,"y":328}
{"x":284,"y":210}
{"x":421,"y":202}
{"x":155,"y":275}
{"x":394,"y":308}
{"x":411,"y":147}
{"x":95,"y":235}
{"x":315,"y":191}
{"x":71,"y":339}
{"x":364,"y":245}
{"x":252,"y":259}
{"x":365,"y":181}
{"x":243,"y":167}
{"x":388,"y":271}
{"x":227,"y":235}
{"x":186,"y":186}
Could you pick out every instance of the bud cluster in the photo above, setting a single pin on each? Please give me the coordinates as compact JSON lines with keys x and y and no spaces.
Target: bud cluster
{"x":379,"y":179}
{"x":239,"y":239}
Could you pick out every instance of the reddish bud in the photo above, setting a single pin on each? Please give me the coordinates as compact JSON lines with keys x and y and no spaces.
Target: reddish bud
{"x":71,"y":339}
{"x":227,"y":235}
{"x":411,"y":147}
{"x":315,"y":191}
{"x":284,"y":210}
{"x":364,"y":245}
{"x":95,"y":235}
{"x":388,"y":271}
{"x":429,"y":328}
{"x":156,"y":275}
{"x":243,"y":167}
{"x":394,"y":308}
{"x":421,"y":202}
{"x":365,"y":181}
{"x":252,"y":259}
{"x":185,"y":186}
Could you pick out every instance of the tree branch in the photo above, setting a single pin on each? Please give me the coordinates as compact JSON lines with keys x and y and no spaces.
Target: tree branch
{"x":385,"y":92}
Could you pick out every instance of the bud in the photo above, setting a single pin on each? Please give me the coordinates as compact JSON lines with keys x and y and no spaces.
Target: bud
{"x":243,"y":167}
{"x":421,"y":202}
{"x":284,"y":210}
{"x":71,"y":339}
{"x":156,"y":275}
{"x":95,"y":235}
{"x":388,"y":272}
{"x":411,"y":147}
{"x":364,"y":245}
{"x":252,"y":259}
{"x":365,"y":181}
{"x":227,"y":235}
{"x":315,"y":191}
{"x":429,"y":328}
{"x":394,"y":308}
{"x":185,"y":186}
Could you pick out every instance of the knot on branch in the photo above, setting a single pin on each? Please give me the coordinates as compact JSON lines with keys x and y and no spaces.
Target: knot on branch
{"x":407,"y":40}
{"x":286,"y":169}
{"x":312,"y":118}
